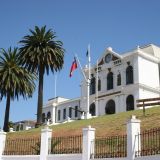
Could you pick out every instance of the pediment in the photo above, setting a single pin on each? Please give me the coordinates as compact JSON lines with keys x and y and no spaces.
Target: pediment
{"x":108,"y":56}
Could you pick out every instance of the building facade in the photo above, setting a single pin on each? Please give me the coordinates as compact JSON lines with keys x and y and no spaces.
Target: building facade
{"x":117,"y":81}
{"x":61,"y":110}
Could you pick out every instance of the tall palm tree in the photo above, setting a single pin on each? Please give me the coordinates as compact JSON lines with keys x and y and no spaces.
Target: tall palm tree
{"x":41,"y":52}
{"x":15,"y":80}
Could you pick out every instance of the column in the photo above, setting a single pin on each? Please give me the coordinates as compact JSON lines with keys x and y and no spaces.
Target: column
{"x":133,"y":141}
{"x":2,"y":142}
{"x":46,"y":135}
{"x":88,"y":143}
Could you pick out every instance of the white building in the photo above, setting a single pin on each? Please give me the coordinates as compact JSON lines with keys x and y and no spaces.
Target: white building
{"x":23,"y":125}
{"x":121,"y":79}
{"x":59,"y":110}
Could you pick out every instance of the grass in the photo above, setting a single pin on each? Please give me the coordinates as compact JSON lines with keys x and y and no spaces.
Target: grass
{"x":106,"y":125}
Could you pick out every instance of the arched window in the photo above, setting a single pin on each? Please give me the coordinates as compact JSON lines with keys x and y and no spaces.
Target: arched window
{"x":110,"y":107}
{"x":130,"y":103}
{"x":48,"y":115}
{"x":99,"y":85}
{"x":93,"y":85}
{"x":43,"y":117}
{"x":110,"y":81}
{"x":119,"y":79}
{"x":129,"y":75}
{"x":92,"y":109}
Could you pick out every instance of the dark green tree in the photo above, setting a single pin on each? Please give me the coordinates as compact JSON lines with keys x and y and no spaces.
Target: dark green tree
{"x":15,"y":80}
{"x":42,"y":53}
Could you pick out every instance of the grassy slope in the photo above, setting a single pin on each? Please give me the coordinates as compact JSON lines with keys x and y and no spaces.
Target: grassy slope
{"x":106,"y":125}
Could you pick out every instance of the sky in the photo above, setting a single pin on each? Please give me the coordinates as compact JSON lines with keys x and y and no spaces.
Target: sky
{"x":120,"y":24}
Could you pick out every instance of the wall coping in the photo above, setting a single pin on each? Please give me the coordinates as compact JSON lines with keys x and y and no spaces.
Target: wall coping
{"x":89,"y":128}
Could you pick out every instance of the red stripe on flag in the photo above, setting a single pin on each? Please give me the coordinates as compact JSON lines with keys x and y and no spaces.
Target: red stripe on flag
{"x":73,"y":67}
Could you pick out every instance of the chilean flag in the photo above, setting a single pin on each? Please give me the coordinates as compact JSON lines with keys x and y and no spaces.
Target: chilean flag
{"x":73,"y":67}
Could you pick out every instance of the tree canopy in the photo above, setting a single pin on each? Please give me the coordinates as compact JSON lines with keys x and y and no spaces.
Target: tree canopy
{"x":41,"y":52}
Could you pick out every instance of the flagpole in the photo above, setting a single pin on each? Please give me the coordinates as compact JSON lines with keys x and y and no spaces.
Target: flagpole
{"x":88,"y":80}
{"x":88,"y":115}
{"x":81,"y":67}
{"x":96,"y":99}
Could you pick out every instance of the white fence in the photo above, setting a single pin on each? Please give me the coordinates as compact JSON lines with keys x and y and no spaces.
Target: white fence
{"x":88,"y":147}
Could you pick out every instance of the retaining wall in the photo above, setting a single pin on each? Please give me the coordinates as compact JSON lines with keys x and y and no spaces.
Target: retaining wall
{"x":26,"y":157}
{"x":65,"y":157}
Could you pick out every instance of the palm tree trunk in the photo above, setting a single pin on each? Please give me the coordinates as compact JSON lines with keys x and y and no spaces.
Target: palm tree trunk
{"x":40,"y":98}
{"x":6,"y":119}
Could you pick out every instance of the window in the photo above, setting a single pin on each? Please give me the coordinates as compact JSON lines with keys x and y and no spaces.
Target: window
{"x":17,"y":128}
{"x":59,"y":115}
{"x":92,"y":85}
{"x":64,"y":113}
{"x":110,"y":107}
{"x":76,"y":111}
{"x":108,"y":58}
{"x":110,"y":81}
{"x":119,"y":79}
{"x":43,"y":117}
{"x":99,"y":85}
{"x":21,"y":127}
{"x":48,"y":115}
{"x":129,"y":75}
{"x":130,"y":103}
{"x":70,"y":112}
{"x":92,"y":109}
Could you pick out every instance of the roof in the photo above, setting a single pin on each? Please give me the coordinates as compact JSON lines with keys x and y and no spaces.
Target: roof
{"x":152,"y":50}
{"x":25,"y":121}
{"x":54,"y":101}
{"x":66,"y":101}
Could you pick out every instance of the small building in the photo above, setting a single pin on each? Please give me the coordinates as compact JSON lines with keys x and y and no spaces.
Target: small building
{"x":59,"y":110}
{"x":23,"y":125}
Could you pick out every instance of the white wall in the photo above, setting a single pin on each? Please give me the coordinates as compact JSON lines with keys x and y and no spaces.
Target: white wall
{"x":26,"y":157}
{"x":143,"y":93}
{"x":148,"y":72}
{"x":120,"y":99}
{"x":111,"y":159}
{"x":154,"y":157}
{"x":66,"y":106}
{"x":73,"y":157}
{"x":65,"y":157}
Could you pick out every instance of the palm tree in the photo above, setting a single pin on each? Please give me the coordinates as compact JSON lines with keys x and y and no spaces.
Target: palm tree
{"x":15,"y":80}
{"x":40,"y":52}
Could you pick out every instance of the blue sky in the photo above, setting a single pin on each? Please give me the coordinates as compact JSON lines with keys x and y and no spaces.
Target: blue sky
{"x":121,"y":24}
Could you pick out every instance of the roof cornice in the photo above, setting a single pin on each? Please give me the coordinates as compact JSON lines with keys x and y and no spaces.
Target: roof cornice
{"x":142,"y":54}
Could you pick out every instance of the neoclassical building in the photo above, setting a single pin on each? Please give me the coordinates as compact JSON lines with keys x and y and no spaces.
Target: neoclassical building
{"x":117,"y":81}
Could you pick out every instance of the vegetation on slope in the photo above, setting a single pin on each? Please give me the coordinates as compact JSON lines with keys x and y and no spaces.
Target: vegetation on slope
{"x":106,"y":125}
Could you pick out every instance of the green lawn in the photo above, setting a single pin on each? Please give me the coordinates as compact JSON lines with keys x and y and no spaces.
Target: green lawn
{"x":106,"y":125}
